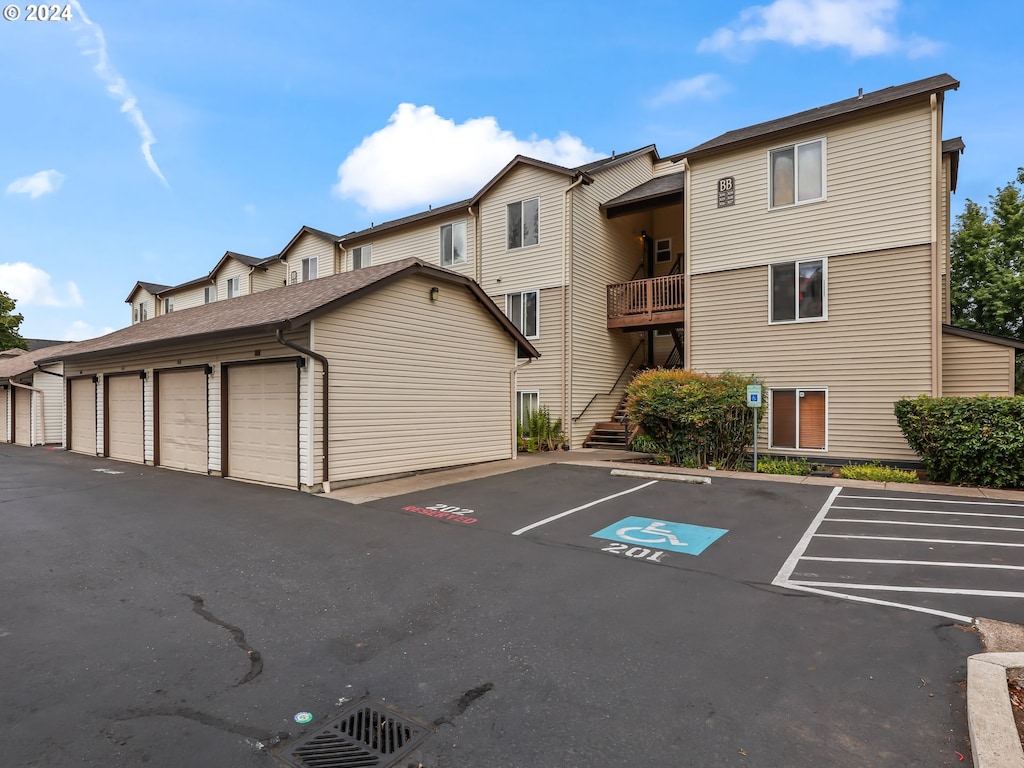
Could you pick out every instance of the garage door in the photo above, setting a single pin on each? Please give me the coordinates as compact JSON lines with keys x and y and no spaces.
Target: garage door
{"x":22,"y":416}
{"x":263,"y":422}
{"x":183,"y":437}
{"x":3,"y":414}
{"x":124,"y":418}
{"x":83,"y":416}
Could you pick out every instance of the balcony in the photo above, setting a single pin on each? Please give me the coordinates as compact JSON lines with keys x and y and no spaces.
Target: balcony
{"x":642,"y":305}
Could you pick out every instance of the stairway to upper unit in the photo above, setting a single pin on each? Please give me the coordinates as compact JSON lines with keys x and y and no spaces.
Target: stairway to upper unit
{"x":610,"y":434}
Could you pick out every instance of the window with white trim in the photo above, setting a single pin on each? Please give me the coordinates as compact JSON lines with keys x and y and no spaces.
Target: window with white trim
{"x":209,"y":294}
{"x":361,"y":256}
{"x":797,"y":291}
{"x":143,"y":311}
{"x":663,"y":250}
{"x":797,"y":173}
{"x":309,"y":269}
{"x":527,"y":402}
{"x":233,"y":287}
{"x":168,"y":305}
{"x":523,"y":309}
{"x":523,"y":223}
{"x":453,"y":243}
{"x":798,"y":419}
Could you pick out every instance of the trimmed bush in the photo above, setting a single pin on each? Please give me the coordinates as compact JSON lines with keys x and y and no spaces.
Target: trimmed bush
{"x":967,"y":440}
{"x":875,"y":471}
{"x":696,"y":419}
{"x":784,"y":466}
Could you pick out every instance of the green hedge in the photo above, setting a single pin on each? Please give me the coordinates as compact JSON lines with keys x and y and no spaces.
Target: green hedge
{"x":696,"y":419}
{"x":967,"y":440}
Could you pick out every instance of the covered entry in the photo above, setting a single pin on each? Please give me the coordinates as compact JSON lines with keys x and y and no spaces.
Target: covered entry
{"x":22,"y":410}
{"x":182,"y":434}
{"x":261,"y":434}
{"x":82,"y":415}
{"x":124,"y":417}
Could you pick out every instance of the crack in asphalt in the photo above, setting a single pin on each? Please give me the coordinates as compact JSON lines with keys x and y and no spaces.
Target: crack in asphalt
{"x":204,"y":719}
{"x":463,"y":704}
{"x":255,"y":658}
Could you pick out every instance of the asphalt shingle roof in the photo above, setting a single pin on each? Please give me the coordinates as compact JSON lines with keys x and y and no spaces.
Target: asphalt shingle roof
{"x":660,"y":186}
{"x":29,"y":361}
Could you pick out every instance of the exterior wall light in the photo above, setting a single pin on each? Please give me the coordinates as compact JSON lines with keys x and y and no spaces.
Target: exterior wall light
{"x":433,"y":293}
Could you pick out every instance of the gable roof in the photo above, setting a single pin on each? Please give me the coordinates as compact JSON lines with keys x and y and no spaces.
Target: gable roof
{"x":443,"y":210}
{"x":839,"y":109}
{"x":154,"y":288}
{"x":653,"y":193}
{"x":613,"y":160}
{"x":518,"y":160}
{"x":17,"y":365}
{"x":954,"y":148}
{"x":249,"y":261}
{"x":285,"y":308}
{"x":952,"y":330}
{"x":304,"y":230}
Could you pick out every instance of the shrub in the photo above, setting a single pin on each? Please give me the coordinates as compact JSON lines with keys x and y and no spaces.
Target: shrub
{"x":539,"y":432}
{"x":967,"y":440}
{"x":875,"y":471}
{"x":695,"y":419}
{"x":784,"y":466}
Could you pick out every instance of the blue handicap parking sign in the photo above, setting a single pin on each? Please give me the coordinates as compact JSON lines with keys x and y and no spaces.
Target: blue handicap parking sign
{"x":662,"y":534}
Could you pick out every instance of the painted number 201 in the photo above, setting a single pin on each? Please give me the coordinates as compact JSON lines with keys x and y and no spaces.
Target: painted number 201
{"x":640,"y":553}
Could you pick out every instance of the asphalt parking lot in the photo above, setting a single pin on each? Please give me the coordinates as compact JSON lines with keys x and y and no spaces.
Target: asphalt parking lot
{"x":556,"y":616}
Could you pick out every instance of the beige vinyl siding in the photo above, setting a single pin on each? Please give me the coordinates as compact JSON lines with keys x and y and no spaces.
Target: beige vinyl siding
{"x":274,"y":276}
{"x":871,"y":351}
{"x":878,"y":186}
{"x":51,"y":400}
{"x":185,"y":298}
{"x":665,"y":168}
{"x":603,"y":251}
{"x":415,"y":385}
{"x":142,"y":296}
{"x":544,"y":375}
{"x":975,"y":367}
{"x":308,"y":246}
{"x":232,"y":268}
{"x":534,"y":266}
{"x":422,"y":241}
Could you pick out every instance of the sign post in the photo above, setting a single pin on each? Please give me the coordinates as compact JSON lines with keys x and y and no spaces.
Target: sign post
{"x":754,"y":401}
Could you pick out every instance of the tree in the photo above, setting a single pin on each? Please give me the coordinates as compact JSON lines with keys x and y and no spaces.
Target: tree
{"x":9,"y":323}
{"x":987,"y":266}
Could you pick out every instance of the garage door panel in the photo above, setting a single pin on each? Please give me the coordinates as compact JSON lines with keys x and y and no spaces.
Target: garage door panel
{"x":263,"y":417}
{"x":22,"y":416}
{"x":184,"y":441}
{"x":3,"y":415}
{"x":83,"y":416}
{"x":125,"y":419}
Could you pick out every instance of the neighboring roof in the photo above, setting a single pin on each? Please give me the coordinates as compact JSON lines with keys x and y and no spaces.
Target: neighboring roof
{"x":12,"y":352}
{"x":153,"y":288}
{"x":954,"y":148}
{"x":875,"y":99}
{"x":524,"y":160}
{"x":249,"y":261}
{"x":607,"y":162}
{"x":411,"y":219}
{"x":304,"y":230}
{"x":952,"y":330}
{"x":34,"y":344}
{"x":285,"y":308}
{"x":654,"y":193}
{"x":18,"y":365}
{"x":189,"y":283}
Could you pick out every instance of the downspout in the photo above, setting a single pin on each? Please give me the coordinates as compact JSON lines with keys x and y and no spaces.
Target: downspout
{"x":477,"y":266}
{"x":936,"y":317}
{"x":567,"y":220}
{"x":251,"y":270}
{"x":687,"y":267}
{"x":324,"y":395}
{"x":31,"y":431}
{"x":515,"y":421}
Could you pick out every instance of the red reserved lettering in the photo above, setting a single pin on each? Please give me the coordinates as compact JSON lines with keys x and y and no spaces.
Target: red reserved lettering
{"x":440,"y":515}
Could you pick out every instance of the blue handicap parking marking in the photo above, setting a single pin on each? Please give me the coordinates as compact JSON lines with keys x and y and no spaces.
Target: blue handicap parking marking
{"x":663,"y":534}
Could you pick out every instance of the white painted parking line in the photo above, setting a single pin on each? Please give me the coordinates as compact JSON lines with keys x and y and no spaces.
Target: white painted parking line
{"x":943,"y":563}
{"x":956,"y":513}
{"x":568,"y":512}
{"x":874,"y":601}
{"x":922,"y":541}
{"x":782,"y":577}
{"x":936,"y":501}
{"x":899,"y":588}
{"x":927,"y":525}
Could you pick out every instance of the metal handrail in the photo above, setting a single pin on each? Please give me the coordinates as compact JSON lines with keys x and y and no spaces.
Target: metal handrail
{"x":617,"y":379}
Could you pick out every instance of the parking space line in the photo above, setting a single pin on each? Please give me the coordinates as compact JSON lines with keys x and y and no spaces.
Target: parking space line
{"x":936,"y":501}
{"x":878,"y":561}
{"x":930,"y":512}
{"x":928,"y":525}
{"x":568,"y":512}
{"x":897,"y":588}
{"x":920,"y":541}
{"x":875,"y":601}
{"x":782,"y":577}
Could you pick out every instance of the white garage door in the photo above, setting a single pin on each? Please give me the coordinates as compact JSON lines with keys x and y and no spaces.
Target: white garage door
{"x":22,"y":416}
{"x":3,"y":413}
{"x":83,"y":416}
{"x":124,"y":418}
{"x":182,"y":422}
{"x":263,"y":423}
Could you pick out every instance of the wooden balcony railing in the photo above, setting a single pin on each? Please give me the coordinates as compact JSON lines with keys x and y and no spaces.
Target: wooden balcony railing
{"x":640,"y":304}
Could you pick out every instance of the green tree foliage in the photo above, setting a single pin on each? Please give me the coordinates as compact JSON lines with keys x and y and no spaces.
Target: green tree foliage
{"x":987,"y":266}
{"x":9,"y":324}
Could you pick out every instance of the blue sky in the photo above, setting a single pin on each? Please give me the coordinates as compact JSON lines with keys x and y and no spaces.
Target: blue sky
{"x":139,"y":141}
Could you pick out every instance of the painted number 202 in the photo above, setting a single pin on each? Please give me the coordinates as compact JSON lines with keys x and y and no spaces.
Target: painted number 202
{"x":640,"y":553}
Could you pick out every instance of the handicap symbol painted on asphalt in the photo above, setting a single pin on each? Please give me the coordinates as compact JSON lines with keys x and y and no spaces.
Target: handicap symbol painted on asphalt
{"x":676,"y":537}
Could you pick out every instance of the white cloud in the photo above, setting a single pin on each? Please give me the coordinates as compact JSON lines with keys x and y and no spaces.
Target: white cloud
{"x":79,"y":330}
{"x":420,"y":157}
{"x":27,"y":284}
{"x":863,"y":27}
{"x":704,"y":87}
{"x":118,"y":88}
{"x":36,"y":185}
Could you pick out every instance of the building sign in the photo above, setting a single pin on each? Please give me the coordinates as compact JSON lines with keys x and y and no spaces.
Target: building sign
{"x":727,"y":191}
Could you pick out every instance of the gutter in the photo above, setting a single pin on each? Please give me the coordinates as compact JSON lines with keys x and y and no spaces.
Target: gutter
{"x":325,"y":396}
{"x":31,"y":432}
{"x":515,"y":422}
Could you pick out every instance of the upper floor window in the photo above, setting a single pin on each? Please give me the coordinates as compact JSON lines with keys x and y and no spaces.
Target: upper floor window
{"x":523,"y":309}
{"x":797,"y":173}
{"x":309,"y":269}
{"x":209,"y":294}
{"x":361,"y":256}
{"x":168,"y":305}
{"x":523,"y":223}
{"x":233,"y":287}
{"x":143,"y":312}
{"x":453,"y":243}
{"x":798,"y":291}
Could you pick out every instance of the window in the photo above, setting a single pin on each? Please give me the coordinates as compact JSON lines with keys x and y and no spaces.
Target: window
{"x":798,"y":291}
{"x":209,"y":294}
{"x":135,"y":314}
{"x":143,"y":313}
{"x":663,"y":249}
{"x":309,"y":269}
{"x":523,"y":223}
{"x":232,"y":287}
{"x":168,"y":305}
{"x":523,"y":309}
{"x":526,"y":403}
{"x":797,"y":173}
{"x":798,"y":418}
{"x":453,"y":243}
{"x":361,"y":256}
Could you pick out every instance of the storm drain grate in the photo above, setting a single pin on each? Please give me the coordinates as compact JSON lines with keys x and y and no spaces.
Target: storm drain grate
{"x":363,"y":736}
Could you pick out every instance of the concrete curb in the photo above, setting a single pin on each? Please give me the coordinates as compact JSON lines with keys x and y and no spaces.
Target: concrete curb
{"x":671,"y":477}
{"x":994,"y":737}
